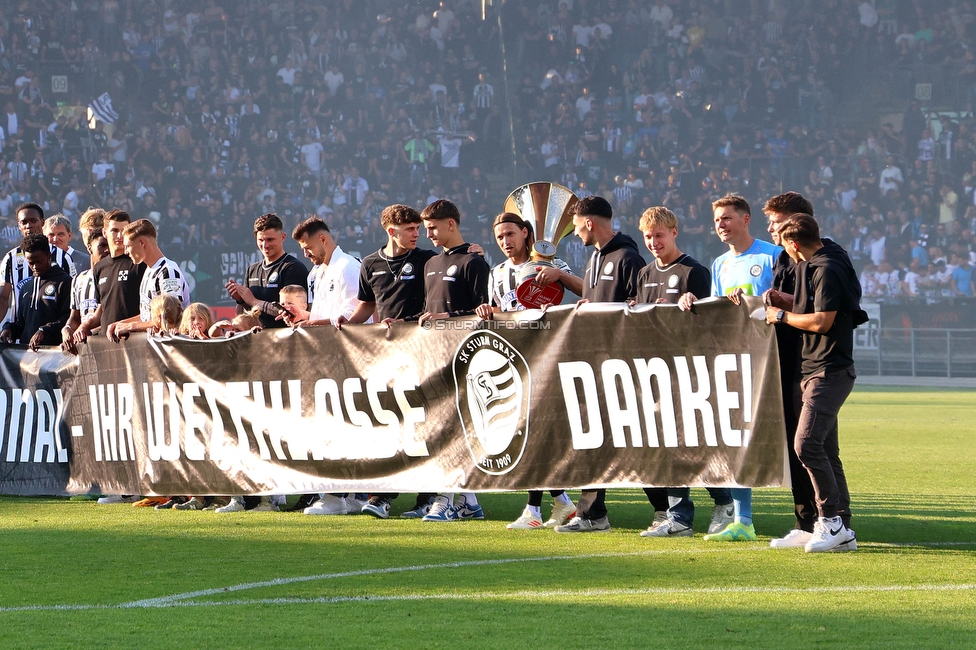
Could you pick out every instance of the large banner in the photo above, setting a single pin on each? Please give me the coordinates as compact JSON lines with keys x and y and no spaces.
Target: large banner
{"x":600,"y":396}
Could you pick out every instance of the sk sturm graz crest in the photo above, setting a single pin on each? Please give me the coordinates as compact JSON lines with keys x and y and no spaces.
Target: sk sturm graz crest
{"x":493,"y":388}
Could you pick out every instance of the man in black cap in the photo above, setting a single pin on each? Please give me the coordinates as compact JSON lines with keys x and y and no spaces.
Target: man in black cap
{"x":610,"y":276}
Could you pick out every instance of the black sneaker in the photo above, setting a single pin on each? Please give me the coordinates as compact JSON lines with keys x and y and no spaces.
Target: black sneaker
{"x":304,"y":501}
{"x":170,"y":503}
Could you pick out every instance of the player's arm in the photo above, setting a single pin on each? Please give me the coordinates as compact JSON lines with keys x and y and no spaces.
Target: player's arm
{"x":362,"y":313}
{"x":486,"y":311}
{"x":85,"y":329}
{"x":4,"y":299}
{"x":67,"y":332}
{"x":318,"y":322}
{"x":778,"y":299}
{"x":116,"y":331}
{"x":548,"y":274}
{"x":261,"y":297}
{"x":14,"y":328}
{"x":829,"y":296}
{"x":819,"y":321}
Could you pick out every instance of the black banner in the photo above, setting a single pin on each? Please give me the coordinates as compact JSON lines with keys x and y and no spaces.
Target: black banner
{"x":601,"y":396}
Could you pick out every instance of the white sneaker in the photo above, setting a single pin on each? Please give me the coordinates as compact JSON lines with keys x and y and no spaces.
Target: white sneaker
{"x":850,"y":544}
{"x":354,"y":506}
{"x":528,"y":521}
{"x":236,"y":505}
{"x":828,"y":534}
{"x":580,"y":525}
{"x":796,"y":538}
{"x":266,"y":505}
{"x":440,"y":511}
{"x":118,"y":498}
{"x":722,"y":516}
{"x":668,"y":528}
{"x":561,"y":513}
{"x":328,"y":504}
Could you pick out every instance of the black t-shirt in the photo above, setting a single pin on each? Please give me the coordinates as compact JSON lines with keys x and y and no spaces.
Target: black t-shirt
{"x":117,"y":281}
{"x":456,"y":281}
{"x":611,"y":273}
{"x":265,"y":280}
{"x":395,"y":284}
{"x":827,"y":282}
{"x":787,"y":337}
{"x":670,"y":282}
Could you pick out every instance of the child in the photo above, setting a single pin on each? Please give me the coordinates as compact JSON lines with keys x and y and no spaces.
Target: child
{"x":165,"y":312}
{"x":197,"y":321}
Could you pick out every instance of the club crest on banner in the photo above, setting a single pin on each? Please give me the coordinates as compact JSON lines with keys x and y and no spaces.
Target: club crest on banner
{"x":493,"y":390}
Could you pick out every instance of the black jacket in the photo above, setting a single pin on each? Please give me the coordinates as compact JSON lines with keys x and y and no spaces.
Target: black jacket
{"x":611,"y":274}
{"x":45,"y":304}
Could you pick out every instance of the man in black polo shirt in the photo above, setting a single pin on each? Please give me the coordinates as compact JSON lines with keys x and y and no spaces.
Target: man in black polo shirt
{"x":116,"y":278}
{"x":455,"y":283}
{"x":391,"y":280}
{"x":610,"y":276}
{"x":391,"y":285}
{"x":826,"y":309}
{"x":778,"y":210}
{"x":670,"y":275}
{"x":263,"y":279}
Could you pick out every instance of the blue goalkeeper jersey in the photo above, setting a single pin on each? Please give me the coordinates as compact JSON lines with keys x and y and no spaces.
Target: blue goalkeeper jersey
{"x":751,"y":271}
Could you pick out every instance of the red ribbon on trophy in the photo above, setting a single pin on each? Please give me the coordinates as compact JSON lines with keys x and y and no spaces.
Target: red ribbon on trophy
{"x":548,"y":207}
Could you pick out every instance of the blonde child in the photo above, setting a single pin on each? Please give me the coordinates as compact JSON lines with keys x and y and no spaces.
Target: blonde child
{"x":165,"y":312}
{"x":197,"y":321}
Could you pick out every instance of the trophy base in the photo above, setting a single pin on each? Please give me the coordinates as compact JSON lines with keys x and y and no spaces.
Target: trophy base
{"x":531,"y":296}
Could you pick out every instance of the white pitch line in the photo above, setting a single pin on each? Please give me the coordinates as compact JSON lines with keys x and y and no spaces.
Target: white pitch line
{"x":583,"y":593}
{"x":277,"y":582}
{"x":182,"y":600}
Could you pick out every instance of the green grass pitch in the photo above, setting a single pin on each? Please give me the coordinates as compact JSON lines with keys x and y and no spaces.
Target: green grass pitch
{"x":73,"y":574}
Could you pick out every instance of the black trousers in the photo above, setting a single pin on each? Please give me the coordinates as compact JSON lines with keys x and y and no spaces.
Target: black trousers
{"x":817,"y":444}
{"x":658,"y":498}
{"x":535,"y":496}
{"x":804,"y":499}
{"x":592,"y":504}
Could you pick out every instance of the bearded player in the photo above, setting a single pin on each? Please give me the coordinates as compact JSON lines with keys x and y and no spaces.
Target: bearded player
{"x":514,"y":238}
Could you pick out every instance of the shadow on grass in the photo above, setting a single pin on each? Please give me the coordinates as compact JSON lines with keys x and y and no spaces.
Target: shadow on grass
{"x":754,"y":622}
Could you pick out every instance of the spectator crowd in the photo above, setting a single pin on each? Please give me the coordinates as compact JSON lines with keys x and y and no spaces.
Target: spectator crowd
{"x":228,"y":110}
